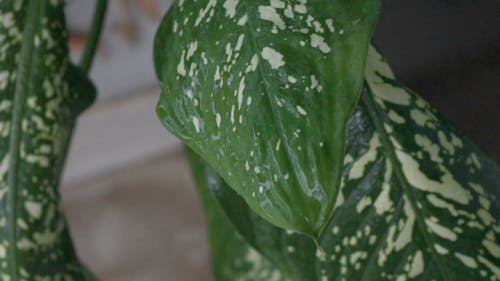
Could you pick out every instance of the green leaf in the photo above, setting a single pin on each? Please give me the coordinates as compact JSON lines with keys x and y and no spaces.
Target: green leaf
{"x":233,"y":257}
{"x":418,"y":200}
{"x":423,"y":200}
{"x":262,"y":90}
{"x":41,"y":94}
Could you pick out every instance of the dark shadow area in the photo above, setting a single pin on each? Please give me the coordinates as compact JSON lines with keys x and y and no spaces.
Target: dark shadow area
{"x":449,"y":53}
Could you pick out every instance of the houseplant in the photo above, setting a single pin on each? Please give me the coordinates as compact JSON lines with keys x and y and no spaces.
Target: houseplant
{"x":334,"y":170}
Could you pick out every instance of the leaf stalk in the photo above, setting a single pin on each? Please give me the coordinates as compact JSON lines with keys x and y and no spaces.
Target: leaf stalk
{"x":94,"y":35}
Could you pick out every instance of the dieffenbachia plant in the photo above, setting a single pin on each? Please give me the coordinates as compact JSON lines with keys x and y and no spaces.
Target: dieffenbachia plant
{"x":407,"y":210}
{"x":271,"y":95}
{"x":41,"y":95}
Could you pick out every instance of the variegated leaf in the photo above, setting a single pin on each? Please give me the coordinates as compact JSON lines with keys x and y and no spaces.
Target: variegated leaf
{"x":263,"y":90}
{"x":41,"y":94}
{"x":418,"y":200}
{"x":423,"y":199}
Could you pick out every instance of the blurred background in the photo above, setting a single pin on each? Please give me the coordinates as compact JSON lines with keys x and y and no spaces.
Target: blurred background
{"x":127,"y":190}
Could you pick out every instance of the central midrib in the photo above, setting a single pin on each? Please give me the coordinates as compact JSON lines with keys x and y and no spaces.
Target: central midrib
{"x":22,"y":87}
{"x":255,"y":47}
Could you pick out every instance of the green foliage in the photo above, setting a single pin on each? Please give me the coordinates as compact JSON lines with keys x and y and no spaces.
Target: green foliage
{"x":263,"y":90}
{"x":321,"y":184}
{"x":41,"y":94}
{"x":390,"y":191}
{"x":418,"y":201}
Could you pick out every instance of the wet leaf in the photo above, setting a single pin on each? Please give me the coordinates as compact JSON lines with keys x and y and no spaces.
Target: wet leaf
{"x":262,"y":90}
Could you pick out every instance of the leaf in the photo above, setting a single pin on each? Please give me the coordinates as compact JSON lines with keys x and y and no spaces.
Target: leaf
{"x":41,"y":94}
{"x":426,"y":198}
{"x":262,"y":90}
{"x":234,"y":258}
{"x":418,"y":200}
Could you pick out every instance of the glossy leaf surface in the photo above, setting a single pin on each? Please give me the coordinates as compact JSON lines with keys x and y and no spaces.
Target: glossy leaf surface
{"x":41,"y":94}
{"x":418,"y":200}
{"x":262,"y":90}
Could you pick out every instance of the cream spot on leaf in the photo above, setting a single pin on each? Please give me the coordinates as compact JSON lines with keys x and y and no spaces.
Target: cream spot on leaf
{"x":269,"y":14}
{"x":274,"y":58}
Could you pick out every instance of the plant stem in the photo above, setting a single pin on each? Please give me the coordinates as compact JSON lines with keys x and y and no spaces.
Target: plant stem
{"x":94,"y":35}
